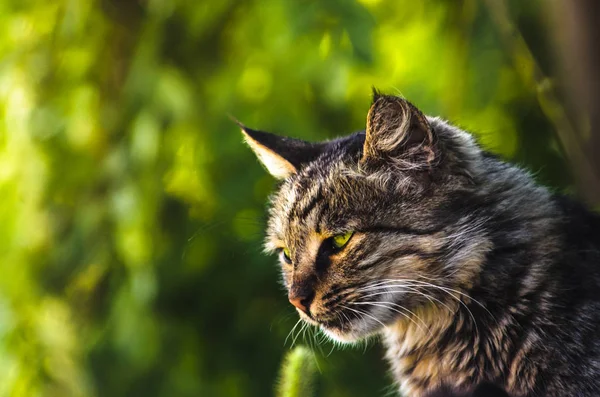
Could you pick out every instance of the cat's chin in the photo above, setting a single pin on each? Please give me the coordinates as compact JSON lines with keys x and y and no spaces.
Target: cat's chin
{"x":341,"y":337}
{"x":334,"y":332}
{"x":340,"y":333}
{"x":352,"y":336}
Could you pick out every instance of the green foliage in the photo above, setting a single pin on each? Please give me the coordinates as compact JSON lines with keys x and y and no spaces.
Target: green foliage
{"x":131,"y":214}
{"x":297,"y":374}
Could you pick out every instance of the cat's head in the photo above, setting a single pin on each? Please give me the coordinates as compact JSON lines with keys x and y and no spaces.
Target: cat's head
{"x":371,"y":228}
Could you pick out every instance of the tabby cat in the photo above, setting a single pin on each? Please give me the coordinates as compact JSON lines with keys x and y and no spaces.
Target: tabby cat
{"x":469,"y":271}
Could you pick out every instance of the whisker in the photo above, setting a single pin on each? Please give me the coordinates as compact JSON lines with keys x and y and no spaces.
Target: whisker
{"x":385,"y":306}
{"x":299,"y":332}
{"x":413,"y":290}
{"x":314,"y":331}
{"x":364,"y":313}
{"x":291,"y":332}
{"x":305,"y":339}
{"x":448,"y":291}
{"x":375,"y":284}
{"x":460,"y":293}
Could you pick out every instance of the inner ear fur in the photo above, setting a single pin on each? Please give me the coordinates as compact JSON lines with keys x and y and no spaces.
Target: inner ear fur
{"x":281,"y":156}
{"x":397,"y":130}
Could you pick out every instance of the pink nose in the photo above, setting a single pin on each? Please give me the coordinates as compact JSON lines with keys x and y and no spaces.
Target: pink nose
{"x":299,"y":302}
{"x":301,"y":298}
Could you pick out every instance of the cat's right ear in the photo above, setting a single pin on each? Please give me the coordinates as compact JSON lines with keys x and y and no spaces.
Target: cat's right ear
{"x":281,"y":156}
{"x":398,"y":131}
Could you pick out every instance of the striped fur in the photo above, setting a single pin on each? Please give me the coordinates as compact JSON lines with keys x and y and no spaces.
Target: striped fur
{"x":468,"y":270}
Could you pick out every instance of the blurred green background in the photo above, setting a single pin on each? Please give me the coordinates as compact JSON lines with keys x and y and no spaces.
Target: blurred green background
{"x":131,"y":213}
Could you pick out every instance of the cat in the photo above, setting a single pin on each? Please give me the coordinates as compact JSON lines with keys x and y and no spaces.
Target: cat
{"x":468,"y":270}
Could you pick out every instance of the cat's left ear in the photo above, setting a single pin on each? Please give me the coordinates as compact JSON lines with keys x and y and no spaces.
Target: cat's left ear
{"x":281,"y":156}
{"x":398,"y":131}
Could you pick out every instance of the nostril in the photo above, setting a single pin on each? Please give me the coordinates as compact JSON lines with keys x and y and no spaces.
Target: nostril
{"x":302,"y":301}
{"x":307,"y":301}
{"x":298,"y":303}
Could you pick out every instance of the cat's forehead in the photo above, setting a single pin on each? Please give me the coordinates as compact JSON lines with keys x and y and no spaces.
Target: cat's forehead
{"x":309,"y":188}
{"x":304,"y":199}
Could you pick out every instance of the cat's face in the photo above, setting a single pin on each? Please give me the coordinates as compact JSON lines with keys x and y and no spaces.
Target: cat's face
{"x":363,"y":225}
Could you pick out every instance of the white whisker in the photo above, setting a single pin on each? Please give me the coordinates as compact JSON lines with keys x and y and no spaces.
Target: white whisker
{"x":363,"y":313}
{"x":291,"y":332}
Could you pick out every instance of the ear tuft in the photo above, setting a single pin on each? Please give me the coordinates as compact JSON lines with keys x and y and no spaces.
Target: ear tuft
{"x":397,"y":130}
{"x":375,"y":93}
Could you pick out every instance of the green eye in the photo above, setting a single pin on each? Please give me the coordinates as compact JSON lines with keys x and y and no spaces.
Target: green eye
{"x":340,"y":240}
{"x":286,"y":255}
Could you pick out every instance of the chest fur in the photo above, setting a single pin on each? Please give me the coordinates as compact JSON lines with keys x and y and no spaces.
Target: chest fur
{"x":422,"y":361}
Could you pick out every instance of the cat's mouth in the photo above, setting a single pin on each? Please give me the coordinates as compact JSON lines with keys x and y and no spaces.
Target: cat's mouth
{"x":331,"y":326}
{"x":343,"y":332}
{"x":346,"y":323}
{"x":342,"y":327}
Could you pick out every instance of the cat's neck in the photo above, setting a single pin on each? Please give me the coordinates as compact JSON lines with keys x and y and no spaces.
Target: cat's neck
{"x":516,"y":239}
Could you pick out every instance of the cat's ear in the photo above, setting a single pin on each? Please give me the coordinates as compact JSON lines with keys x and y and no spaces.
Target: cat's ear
{"x":397,"y":130}
{"x":281,"y":156}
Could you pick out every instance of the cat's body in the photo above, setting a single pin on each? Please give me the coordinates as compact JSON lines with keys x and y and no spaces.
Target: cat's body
{"x":541,"y":334}
{"x":470,"y":271}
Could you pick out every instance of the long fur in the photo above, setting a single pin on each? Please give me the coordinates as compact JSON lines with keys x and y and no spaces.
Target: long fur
{"x":468,"y":270}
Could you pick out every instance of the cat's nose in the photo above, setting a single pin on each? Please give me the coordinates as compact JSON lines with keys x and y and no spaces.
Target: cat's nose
{"x":301,"y":298}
